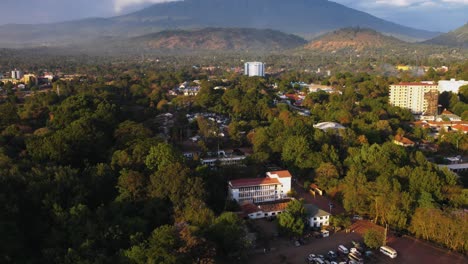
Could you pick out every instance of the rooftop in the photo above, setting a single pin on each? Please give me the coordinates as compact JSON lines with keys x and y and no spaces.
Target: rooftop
{"x":463,"y":128}
{"x":415,"y":84}
{"x":253,"y":182}
{"x":314,"y":211}
{"x":274,"y":206}
{"x":282,"y":173}
{"x":328,"y":125}
{"x":403,"y":140}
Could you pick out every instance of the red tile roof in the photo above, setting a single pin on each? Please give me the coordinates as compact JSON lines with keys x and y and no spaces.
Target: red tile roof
{"x":282,"y":174}
{"x":273,"y":207}
{"x":249,"y":208}
{"x":448,"y":123}
{"x":415,"y":84}
{"x":403,"y":140}
{"x":463,"y":128}
{"x":253,"y":182}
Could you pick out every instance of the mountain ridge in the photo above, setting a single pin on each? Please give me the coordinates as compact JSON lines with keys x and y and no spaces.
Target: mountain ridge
{"x":236,"y":39}
{"x":300,"y":17}
{"x":357,"y":39}
{"x":455,"y":38}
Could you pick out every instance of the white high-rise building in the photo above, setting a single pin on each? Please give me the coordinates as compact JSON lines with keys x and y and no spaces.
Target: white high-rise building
{"x":254,"y":69}
{"x":418,"y":97}
{"x":451,"y":86}
{"x":16,"y":74}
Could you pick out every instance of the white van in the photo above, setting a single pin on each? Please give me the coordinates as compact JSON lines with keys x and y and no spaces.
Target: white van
{"x":343,"y":249}
{"x":388,"y":251}
{"x":325,"y":233}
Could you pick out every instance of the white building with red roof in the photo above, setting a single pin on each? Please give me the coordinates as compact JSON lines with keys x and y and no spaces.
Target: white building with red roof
{"x":275,"y":186}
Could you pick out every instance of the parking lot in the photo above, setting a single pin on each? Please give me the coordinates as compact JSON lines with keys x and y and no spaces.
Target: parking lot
{"x":409,"y":250}
{"x":284,"y":251}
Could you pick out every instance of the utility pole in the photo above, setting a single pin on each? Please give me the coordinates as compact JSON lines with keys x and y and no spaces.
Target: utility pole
{"x":385,"y":235}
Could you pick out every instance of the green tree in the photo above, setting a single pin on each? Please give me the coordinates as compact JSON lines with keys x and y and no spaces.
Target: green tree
{"x":162,"y":247}
{"x":8,"y":115}
{"x":463,"y":93}
{"x":162,"y":155}
{"x":373,"y":238}
{"x":228,"y":234}
{"x":292,"y":221}
{"x":132,"y":185}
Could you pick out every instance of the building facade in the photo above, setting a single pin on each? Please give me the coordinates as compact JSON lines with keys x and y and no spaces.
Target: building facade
{"x":254,"y":69}
{"x":316,"y":217}
{"x":451,"y":86}
{"x":420,"y":98}
{"x":16,"y":74}
{"x":275,"y":186}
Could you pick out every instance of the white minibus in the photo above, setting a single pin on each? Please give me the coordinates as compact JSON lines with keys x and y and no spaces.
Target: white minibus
{"x":388,"y":251}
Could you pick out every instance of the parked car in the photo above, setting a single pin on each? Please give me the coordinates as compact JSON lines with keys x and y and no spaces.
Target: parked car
{"x":319,"y":261}
{"x":355,"y":251}
{"x":297,"y":243}
{"x":325,"y":233}
{"x":357,"y":217}
{"x":311,"y":257}
{"x":332,"y":254}
{"x":343,"y":249}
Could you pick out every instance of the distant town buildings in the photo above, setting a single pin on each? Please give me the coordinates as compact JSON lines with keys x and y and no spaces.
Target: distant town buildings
{"x":29,"y":79}
{"x":314,"y":88}
{"x":17,"y":74}
{"x":451,"y":86}
{"x":254,"y":69}
{"x":275,"y":186}
{"x":418,"y":97}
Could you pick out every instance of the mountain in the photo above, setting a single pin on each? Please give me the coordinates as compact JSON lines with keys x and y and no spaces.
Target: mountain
{"x":357,"y":39}
{"x":219,"y":39}
{"x":303,"y":17}
{"x":456,"y":38}
{"x":307,"y":18}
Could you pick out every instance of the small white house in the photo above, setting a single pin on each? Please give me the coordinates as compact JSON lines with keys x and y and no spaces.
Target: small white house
{"x":317,"y":217}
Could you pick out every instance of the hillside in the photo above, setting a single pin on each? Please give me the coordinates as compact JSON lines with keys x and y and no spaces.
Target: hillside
{"x":456,"y":38}
{"x":356,"y":39}
{"x":220,"y":39}
{"x":306,"y":18}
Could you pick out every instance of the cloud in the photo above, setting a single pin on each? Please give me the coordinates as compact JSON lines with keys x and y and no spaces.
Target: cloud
{"x":435,"y":15}
{"x":401,"y":3}
{"x":120,"y":5}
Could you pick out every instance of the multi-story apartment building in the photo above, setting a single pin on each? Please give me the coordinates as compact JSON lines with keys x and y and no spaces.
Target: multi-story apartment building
{"x":420,"y":98}
{"x":275,"y":186}
{"x":254,"y":69}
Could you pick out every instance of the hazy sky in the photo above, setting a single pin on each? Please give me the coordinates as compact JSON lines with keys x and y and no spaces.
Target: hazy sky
{"x":442,"y":15}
